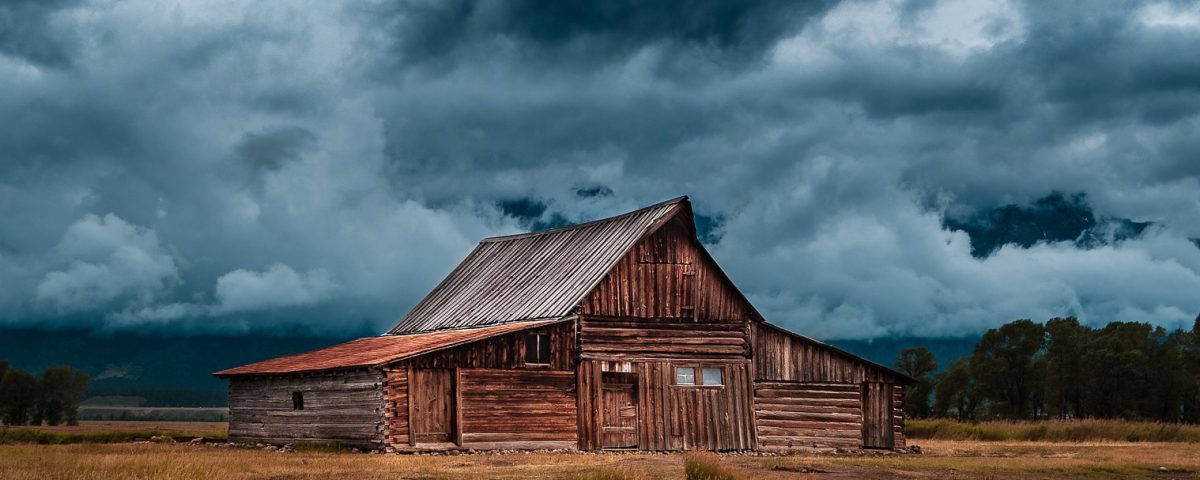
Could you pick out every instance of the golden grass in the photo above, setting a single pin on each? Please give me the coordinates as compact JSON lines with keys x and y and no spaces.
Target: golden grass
{"x":205,"y":428}
{"x":110,"y":432}
{"x":1054,"y":431}
{"x":944,"y":459}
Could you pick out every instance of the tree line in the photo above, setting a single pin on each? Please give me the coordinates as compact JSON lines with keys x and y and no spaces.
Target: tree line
{"x":54,"y":398}
{"x":1061,"y":369}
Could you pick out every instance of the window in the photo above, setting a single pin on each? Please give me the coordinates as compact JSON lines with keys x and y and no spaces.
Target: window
{"x":712,"y":376}
{"x":537,"y":349}
{"x":695,"y":376}
{"x":297,"y":400}
{"x":685,"y":376}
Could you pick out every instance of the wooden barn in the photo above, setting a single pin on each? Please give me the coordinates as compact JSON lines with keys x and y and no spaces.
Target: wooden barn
{"x":621,"y":333}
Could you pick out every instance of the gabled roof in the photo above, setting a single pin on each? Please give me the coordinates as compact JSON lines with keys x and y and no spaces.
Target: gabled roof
{"x":375,"y":351}
{"x":541,"y":275}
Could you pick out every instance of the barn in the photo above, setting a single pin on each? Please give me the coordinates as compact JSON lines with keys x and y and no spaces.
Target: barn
{"x":620,"y":333}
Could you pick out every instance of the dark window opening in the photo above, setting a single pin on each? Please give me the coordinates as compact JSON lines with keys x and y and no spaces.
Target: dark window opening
{"x":537,"y":349}
{"x":297,"y":400}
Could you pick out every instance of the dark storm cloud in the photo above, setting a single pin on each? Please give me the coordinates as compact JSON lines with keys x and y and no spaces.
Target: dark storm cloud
{"x":583,"y":33}
{"x":26,"y":32}
{"x":269,"y":166}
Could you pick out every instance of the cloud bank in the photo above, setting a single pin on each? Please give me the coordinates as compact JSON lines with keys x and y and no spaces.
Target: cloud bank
{"x":318,"y":166}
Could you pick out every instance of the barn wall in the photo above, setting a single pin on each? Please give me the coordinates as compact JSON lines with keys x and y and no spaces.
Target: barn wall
{"x":518,"y":409}
{"x":643,"y":338}
{"x":666,"y":275}
{"x":674,"y":417}
{"x":499,"y":401}
{"x":808,"y":395}
{"x":343,"y":407}
{"x":793,"y":415}
{"x":505,"y":351}
{"x":898,"y":415}
{"x":779,"y":356}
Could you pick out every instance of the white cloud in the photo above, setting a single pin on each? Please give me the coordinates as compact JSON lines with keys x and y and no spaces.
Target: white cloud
{"x":277,"y":286}
{"x":107,"y":259}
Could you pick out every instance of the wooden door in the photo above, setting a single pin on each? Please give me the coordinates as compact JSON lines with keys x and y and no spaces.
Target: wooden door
{"x":431,"y":393}
{"x":877,"y":415}
{"x":618,"y":410}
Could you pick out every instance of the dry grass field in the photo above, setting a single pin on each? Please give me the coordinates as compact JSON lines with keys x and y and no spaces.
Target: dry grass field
{"x":942,"y":459}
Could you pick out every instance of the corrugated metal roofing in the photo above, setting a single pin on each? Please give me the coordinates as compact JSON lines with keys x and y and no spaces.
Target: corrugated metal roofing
{"x":533,"y":275}
{"x":375,"y":351}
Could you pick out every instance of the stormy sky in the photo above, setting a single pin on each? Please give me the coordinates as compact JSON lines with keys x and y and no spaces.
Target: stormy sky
{"x":861,"y":168}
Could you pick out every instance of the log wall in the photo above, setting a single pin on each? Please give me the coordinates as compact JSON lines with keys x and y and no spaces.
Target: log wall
{"x":518,"y":409}
{"x":344,"y":407}
{"x":810,"y":415}
{"x":637,"y":338}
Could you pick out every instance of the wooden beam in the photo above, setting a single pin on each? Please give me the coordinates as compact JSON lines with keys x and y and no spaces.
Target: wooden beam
{"x":458,"y":410}
{"x":412,"y":437}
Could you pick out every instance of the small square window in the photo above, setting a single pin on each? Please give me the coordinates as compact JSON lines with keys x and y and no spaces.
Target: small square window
{"x":685,"y":376}
{"x":537,"y":349}
{"x":712,"y":376}
{"x":297,"y":400}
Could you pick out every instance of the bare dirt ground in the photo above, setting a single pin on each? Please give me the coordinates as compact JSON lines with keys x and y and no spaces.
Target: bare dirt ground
{"x":941,"y":460}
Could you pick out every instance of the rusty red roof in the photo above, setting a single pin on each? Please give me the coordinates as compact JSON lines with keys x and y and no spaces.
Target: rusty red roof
{"x":375,"y":351}
{"x":534,"y":275}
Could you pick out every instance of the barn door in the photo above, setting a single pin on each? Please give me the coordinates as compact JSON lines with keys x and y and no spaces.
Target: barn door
{"x":618,"y":410}
{"x":877,"y":415}
{"x":431,"y":392}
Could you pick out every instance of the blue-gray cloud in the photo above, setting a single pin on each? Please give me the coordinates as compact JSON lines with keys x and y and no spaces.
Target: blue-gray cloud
{"x":860,"y":168}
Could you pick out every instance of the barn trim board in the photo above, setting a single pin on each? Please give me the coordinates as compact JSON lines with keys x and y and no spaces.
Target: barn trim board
{"x":621,"y":333}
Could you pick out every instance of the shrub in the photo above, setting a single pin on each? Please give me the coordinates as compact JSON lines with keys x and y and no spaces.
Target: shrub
{"x":706,"y":466}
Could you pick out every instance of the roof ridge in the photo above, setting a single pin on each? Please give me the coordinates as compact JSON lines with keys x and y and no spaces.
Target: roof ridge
{"x":518,"y":236}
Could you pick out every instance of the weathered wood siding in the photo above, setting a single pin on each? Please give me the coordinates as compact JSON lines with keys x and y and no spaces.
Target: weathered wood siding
{"x":498,"y":401}
{"x":505,"y":351}
{"x":643,"y":338}
{"x":898,"y":415}
{"x":343,"y":407}
{"x":675,"y":417}
{"x":396,"y":407}
{"x":667,"y":275}
{"x":795,"y":415}
{"x":518,"y":409}
{"x":779,"y":356}
{"x":810,"y":395}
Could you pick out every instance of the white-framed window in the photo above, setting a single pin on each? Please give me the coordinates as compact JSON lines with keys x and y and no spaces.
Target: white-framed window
{"x":685,"y":376}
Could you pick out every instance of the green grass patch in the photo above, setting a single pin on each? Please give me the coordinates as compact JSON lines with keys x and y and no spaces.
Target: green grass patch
{"x":1053,"y":431}
{"x":29,"y":435}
